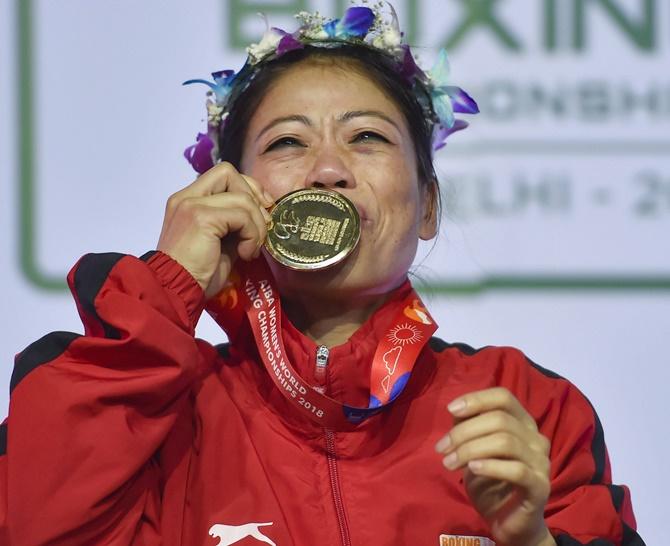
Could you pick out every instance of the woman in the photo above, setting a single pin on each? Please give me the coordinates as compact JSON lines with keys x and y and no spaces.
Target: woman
{"x":331,"y":417}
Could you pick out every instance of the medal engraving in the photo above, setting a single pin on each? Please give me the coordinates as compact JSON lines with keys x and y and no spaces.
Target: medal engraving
{"x":312,"y":229}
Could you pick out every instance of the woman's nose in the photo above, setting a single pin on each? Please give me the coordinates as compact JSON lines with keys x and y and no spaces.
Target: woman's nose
{"x":330,"y":170}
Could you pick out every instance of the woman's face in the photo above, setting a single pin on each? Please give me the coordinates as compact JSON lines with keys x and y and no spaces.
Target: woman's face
{"x":325,"y":125}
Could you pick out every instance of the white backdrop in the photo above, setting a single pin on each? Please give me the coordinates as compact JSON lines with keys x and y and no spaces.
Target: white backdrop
{"x":555,"y":233}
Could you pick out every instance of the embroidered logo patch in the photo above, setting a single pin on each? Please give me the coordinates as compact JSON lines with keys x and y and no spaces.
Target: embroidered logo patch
{"x":460,"y":540}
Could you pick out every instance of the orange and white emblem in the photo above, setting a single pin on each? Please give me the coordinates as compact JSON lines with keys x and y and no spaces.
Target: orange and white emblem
{"x":460,"y":540}
{"x":228,"y":298}
{"x":417,"y":313}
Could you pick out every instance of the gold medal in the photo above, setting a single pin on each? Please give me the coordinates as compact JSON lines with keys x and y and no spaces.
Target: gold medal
{"x":312,"y":229}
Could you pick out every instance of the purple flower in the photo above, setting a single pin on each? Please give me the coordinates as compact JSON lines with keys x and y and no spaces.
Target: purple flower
{"x":288,"y":43}
{"x":199,"y":155}
{"x":450,"y":99}
{"x":447,"y":100}
{"x":224,"y":77}
{"x":408,"y":68}
{"x":441,"y":133}
{"x":223,"y":82}
{"x":330,"y":28}
{"x":267,"y":46}
{"x":356,"y":22}
{"x":461,"y":101}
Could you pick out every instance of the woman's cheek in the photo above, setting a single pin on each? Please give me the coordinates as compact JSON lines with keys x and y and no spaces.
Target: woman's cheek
{"x":275,"y":181}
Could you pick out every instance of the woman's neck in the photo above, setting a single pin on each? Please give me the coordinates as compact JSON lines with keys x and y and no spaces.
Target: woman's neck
{"x":330,"y":322}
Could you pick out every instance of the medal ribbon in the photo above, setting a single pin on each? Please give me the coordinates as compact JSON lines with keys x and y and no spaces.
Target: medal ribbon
{"x":252,"y":290}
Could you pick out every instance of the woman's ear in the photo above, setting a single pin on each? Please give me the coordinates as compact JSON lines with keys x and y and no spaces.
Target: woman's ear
{"x":430,"y":209}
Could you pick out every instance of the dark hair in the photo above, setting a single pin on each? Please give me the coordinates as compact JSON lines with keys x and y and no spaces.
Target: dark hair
{"x":374,"y":64}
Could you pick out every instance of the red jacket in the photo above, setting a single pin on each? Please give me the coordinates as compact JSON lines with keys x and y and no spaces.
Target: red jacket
{"x":137,"y":433}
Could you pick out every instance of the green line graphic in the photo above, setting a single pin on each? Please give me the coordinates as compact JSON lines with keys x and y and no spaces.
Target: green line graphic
{"x":28,"y":216}
{"x":556,"y":147}
{"x":26,"y":132}
{"x":548,"y":283}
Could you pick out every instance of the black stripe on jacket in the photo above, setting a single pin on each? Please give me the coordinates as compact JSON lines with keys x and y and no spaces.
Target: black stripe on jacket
{"x":567,"y":540}
{"x":40,"y":352}
{"x":630,"y":538}
{"x":438,"y":345}
{"x":599,"y":452}
{"x":90,"y":276}
{"x":3,"y":439}
{"x":598,"y":449}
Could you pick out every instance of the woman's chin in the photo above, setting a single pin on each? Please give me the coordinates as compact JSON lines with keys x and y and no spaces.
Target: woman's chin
{"x":349,"y":278}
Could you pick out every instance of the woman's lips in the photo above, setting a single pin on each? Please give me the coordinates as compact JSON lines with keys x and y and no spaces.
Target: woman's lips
{"x":362,"y":213}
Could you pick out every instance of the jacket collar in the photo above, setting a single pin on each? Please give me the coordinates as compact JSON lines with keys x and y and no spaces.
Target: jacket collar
{"x":348,"y":369}
{"x":347,"y":377}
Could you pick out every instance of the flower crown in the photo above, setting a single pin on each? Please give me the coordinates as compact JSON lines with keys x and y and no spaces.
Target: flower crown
{"x":360,"y":25}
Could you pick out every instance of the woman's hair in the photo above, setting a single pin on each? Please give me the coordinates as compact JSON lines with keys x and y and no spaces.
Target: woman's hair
{"x":369,"y":62}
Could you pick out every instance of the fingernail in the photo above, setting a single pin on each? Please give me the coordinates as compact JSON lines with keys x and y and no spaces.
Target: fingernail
{"x":268,"y":197}
{"x":443,"y":444}
{"x":475,"y":465}
{"x":266,"y":215}
{"x":457,"y":406}
{"x":451,"y":460}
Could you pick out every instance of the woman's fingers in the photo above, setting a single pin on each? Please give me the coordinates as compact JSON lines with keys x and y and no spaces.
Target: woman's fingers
{"x":225,"y":202}
{"x":263,"y":196}
{"x":207,"y":225}
{"x":493,"y":424}
{"x":497,"y":398}
{"x":506,"y":461}
{"x":515,"y":472}
{"x":249,"y":235}
{"x":226,"y":213}
{"x":222,"y":178}
{"x":489,"y":423}
{"x":499,"y":445}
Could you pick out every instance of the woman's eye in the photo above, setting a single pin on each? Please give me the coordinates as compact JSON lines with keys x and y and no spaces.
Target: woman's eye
{"x":284,"y":141}
{"x":369,"y":136}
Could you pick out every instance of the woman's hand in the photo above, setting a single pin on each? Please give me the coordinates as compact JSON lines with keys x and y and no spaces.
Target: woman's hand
{"x":506,"y":464}
{"x":210,"y":223}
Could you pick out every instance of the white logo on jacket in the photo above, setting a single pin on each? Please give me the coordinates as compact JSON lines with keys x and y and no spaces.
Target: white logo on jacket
{"x":390,"y":361}
{"x":230,"y":534}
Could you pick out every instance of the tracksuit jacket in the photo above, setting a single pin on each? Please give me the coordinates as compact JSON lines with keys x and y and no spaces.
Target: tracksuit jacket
{"x":137,"y":433}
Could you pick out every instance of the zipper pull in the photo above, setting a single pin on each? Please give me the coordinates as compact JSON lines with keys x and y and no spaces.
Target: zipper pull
{"x":322,"y":353}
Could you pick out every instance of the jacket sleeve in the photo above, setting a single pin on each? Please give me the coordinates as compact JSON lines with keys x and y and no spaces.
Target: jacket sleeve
{"x":88,"y":413}
{"x":584,"y":507}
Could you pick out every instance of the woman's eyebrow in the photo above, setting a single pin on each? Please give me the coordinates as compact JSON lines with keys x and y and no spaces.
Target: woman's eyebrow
{"x":347,"y":116}
{"x":293,"y":117}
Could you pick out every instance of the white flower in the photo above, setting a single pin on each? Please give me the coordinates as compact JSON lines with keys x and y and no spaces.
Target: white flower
{"x":214,"y":112}
{"x":315,"y":33}
{"x":304,"y":17}
{"x":389,"y":40}
{"x":268,"y":44}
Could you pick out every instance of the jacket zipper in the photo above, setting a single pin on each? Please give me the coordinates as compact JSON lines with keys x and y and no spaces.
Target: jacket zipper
{"x":320,"y":371}
{"x":335,"y":487}
{"x":322,"y":354}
